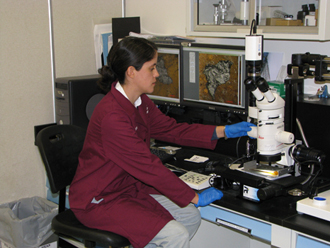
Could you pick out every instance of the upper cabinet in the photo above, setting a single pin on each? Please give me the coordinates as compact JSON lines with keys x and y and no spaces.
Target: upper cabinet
{"x":276,"y":19}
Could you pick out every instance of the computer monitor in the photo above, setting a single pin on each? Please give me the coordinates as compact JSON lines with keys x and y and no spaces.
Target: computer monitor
{"x":213,"y":77}
{"x":167,"y":89}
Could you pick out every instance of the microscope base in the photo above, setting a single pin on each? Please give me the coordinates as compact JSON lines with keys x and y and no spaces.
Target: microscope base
{"x":270,"y":188}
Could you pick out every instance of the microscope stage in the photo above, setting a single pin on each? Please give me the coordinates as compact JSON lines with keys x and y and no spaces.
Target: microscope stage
{"x":265,"y":171}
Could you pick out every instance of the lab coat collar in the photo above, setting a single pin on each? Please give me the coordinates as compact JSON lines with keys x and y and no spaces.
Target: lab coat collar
{"x":118,"y":86}
{"x":126,"y":104}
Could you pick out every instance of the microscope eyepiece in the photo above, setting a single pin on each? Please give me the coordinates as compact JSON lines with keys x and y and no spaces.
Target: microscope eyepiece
{"x":250,"y":84}
{"x":264,"y":88}
{"x":262,"y":85}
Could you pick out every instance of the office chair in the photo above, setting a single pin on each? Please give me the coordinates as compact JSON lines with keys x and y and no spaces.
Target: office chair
{"x":59,"y":147}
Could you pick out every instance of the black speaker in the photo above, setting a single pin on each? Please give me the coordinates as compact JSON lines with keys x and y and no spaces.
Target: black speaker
{"x":121,"y":26}
{"x":76,"y":98}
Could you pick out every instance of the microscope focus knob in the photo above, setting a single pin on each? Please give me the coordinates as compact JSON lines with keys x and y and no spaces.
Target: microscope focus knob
{"x":269,"y":192}
{"x":253,"y":133}
{"x":284,"y":137}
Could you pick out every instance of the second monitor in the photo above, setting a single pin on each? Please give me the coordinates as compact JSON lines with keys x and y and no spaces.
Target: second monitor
{"x":167,"y":88}
{"x":213,"y":77}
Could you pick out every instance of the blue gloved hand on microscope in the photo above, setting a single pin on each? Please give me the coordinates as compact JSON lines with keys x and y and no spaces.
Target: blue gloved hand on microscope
{"x":208,"y":196}
{"x":238,"y":129}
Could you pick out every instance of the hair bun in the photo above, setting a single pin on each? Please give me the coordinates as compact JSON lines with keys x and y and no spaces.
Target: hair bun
{"x":108,"y":77}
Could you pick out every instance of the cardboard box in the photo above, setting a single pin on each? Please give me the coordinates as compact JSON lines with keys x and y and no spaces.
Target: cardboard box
{"x":283,"y":22}
{"x":272,"y":21}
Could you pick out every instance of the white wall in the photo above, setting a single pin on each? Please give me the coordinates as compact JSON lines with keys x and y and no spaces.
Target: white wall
{"x":74,"y":22}
{"x":26,"y":96}
{"x":159,"y":17}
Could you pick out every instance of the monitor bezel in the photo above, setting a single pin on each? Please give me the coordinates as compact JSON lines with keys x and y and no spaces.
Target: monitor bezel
{"x":241,"y":110}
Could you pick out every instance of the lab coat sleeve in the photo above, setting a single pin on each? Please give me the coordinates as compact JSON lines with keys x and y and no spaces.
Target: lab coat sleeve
{"x":121,"y":142}
{"x":167,"y":129}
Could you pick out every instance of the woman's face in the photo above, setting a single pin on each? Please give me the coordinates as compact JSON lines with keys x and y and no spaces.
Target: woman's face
{"x":145,"y":79}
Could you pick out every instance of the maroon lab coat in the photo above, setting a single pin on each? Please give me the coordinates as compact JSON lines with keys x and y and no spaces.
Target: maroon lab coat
{"x":117,"y":173}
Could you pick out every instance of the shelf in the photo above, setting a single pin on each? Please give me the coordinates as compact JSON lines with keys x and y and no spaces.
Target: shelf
{"x":202,"y":27}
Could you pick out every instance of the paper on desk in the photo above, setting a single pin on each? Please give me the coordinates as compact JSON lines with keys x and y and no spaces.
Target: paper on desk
{"x":174,"y":148}
{"x":146,"y":36}
{"x":196,"y":159}
{"x":236,"y":167}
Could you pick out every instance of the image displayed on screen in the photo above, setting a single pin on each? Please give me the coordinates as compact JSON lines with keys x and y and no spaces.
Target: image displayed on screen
{"x":213,"y":78}
{"x":167,"y":84}
{"x":219,"y":78}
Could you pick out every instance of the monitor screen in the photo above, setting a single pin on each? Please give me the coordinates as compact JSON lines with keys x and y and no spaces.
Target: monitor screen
{"x":167,"y":89}
{"x":213,"y":77}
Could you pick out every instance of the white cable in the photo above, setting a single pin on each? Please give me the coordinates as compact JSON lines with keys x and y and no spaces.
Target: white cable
{"x":302,"y":132}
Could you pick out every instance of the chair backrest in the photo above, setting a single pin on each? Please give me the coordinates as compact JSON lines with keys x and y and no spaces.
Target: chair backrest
{"x":59,"y":147}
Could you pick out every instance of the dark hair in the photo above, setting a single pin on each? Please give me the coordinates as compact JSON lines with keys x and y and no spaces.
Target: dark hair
{"x":130,"y":51}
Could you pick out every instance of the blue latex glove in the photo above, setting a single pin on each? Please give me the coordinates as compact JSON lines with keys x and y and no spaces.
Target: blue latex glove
{"x":238,"y":129}
{"x":208,"y":196}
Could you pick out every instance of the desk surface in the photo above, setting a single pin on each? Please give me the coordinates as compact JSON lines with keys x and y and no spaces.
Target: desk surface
{"x":280,"y":210}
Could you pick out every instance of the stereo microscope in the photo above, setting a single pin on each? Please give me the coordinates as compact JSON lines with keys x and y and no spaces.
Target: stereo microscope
{"x":275,"y":168}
